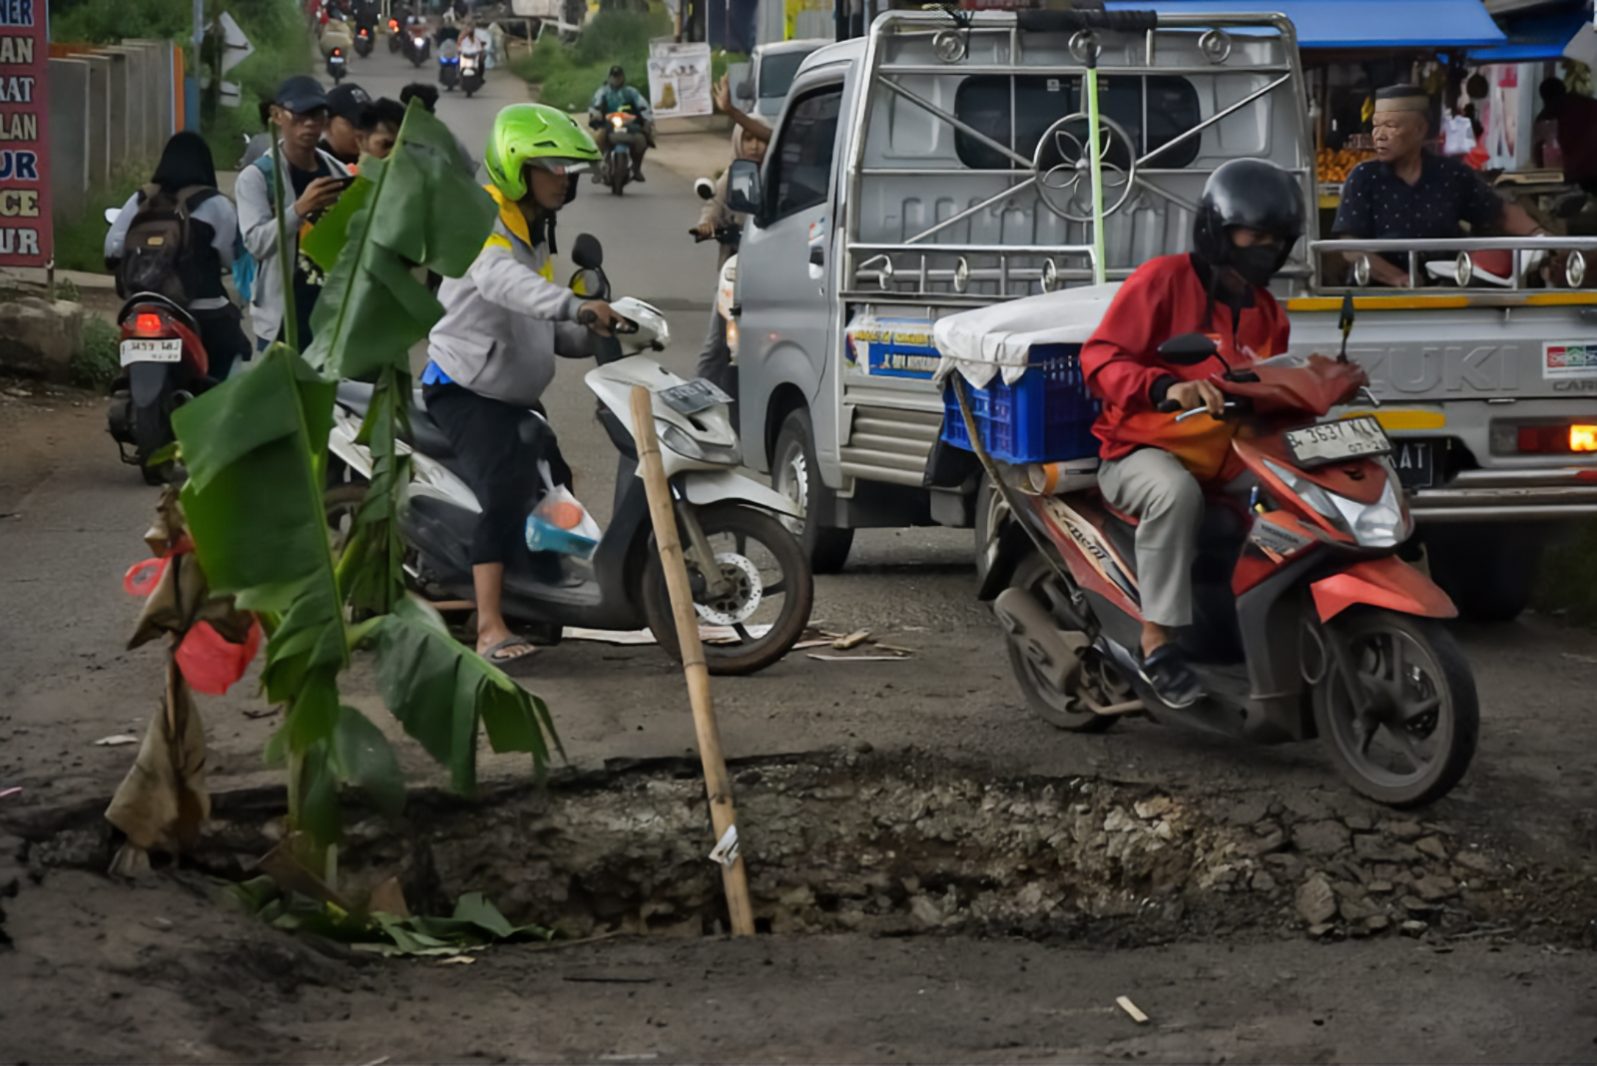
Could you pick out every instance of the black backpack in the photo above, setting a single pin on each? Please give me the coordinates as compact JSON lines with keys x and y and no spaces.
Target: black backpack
{"x":157,"y":255}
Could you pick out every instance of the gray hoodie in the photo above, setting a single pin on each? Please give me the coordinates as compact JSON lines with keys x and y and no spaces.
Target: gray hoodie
{"x":505,"y":320}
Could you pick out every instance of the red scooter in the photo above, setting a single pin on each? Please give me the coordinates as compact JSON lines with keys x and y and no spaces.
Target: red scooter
{"x":1307,"y":621}
{"x":164,"y":365}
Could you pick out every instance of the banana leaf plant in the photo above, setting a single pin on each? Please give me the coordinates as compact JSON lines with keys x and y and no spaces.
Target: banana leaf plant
{"x":256,"y":453}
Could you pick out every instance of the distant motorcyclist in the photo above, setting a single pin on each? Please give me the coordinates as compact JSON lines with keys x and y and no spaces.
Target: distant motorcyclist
{"x":492,"y":355}
{"x":615,"y":95}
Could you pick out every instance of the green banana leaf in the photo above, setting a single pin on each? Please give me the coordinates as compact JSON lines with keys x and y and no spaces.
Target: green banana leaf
{"x":254,"y":449}
{"x":422,"y":209}
{"x":439,"y":690}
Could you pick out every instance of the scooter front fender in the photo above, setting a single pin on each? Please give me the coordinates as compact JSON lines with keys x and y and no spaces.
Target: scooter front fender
{"x":341,"y":442}
{"x":704,"y":487}
{"x":1388,"y":583}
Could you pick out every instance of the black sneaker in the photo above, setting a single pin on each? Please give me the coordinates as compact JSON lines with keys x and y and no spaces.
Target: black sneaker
{"x":637,"y":176}
{"x":1166,"y":671}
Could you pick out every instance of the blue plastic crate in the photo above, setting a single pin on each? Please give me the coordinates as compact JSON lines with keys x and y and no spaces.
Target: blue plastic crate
{"x":1044,"y":417}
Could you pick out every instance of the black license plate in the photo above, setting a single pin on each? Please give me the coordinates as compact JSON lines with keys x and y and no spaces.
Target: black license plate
{"x":1416,"y":463}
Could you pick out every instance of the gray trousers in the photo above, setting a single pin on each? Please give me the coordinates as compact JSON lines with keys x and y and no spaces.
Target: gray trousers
{"x":1168,"y":502}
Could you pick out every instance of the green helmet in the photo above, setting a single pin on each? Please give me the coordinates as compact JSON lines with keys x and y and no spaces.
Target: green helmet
{"x":534,"y":133}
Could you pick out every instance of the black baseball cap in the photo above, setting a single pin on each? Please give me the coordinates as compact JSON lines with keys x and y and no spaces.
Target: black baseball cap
{"x":617,"y":72}
{"x":300,"y":94}
{"x":348,"y":100}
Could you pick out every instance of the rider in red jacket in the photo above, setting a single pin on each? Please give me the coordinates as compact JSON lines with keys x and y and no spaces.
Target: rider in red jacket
{"x":1158,"y":469}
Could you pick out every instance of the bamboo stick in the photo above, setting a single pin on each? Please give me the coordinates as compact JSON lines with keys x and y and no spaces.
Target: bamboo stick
{"x":734,"y":876}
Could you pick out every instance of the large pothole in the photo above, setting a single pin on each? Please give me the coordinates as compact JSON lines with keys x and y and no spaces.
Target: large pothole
{"x":906,"y":845}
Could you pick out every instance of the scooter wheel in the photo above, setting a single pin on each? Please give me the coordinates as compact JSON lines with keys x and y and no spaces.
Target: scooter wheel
{"x":1063,"y":709}
{"x":1421,"y":717}
{"x":771,"y":595}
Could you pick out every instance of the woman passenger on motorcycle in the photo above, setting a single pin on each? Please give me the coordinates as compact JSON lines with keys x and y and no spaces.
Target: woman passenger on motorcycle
{"x":1155,"y":468}
{"x":493,"y":353}
{"x":213,"y":234}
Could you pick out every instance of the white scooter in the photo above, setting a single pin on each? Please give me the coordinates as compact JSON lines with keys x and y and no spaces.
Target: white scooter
{"x":752,"y":584}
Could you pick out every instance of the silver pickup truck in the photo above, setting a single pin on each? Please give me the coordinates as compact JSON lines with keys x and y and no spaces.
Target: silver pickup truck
{"x":940,"y":163}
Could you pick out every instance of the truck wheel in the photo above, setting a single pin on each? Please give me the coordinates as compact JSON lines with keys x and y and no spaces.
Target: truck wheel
{"x":1490,"y":571}
{"x":796,"y":475}
{"x":992,"y":513}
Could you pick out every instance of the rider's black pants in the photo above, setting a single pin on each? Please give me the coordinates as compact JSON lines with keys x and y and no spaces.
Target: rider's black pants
{"x":500,"y":467}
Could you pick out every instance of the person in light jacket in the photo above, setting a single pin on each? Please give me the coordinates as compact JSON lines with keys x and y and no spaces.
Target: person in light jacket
{"x":492,"y":355}
{"x":315,"y":180}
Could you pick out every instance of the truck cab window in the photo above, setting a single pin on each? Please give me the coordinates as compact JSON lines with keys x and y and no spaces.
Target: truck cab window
{"x":800,"y":170}
{"x":983,"y":101}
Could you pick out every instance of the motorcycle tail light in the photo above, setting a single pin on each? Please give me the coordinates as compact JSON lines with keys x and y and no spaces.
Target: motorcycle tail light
{"x":338,"y":53}
{"x":148,"y":324}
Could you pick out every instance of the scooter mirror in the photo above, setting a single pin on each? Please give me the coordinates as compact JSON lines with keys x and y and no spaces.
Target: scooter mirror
{"x":587,"y":252}
{"x":1186,"y":349}
{"x":111,"y":214}
{"x":704,"y":188}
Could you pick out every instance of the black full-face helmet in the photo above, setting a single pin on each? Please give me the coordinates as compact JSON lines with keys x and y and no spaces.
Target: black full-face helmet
{"x":1256,"y":194}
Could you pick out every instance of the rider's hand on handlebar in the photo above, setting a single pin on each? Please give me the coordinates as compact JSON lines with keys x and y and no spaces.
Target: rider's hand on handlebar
{"x":1189,"y":394}
{"x":600,"y":317}
{"x":703,"y":231}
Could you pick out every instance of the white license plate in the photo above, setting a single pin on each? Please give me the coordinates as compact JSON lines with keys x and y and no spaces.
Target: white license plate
{"x":161,"y":350}
{"x":1329,"y":442}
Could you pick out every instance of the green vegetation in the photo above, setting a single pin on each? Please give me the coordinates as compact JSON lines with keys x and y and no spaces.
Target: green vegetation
{"x":1569,"y":576}
{"x":97,"y":363}
{"x":80,"y":239}
{"x":282,"y":48}
{"x":276,"y":28}
{"x":569,"y":73}
{"x":255,"y":449}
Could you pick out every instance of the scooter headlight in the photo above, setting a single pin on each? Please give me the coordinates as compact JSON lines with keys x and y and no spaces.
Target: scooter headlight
{"x":683,"y":443}
{"x":1386,"y":523}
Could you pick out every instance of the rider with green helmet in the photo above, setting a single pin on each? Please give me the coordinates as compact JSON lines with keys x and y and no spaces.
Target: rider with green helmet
{"x":493,"y":353}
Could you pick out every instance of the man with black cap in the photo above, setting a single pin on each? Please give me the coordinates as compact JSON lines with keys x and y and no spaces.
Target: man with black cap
{"x":616,"y":95}
{"x":1407,"y":193}
{"x":346,"y":105}
{"x":314,"y":181}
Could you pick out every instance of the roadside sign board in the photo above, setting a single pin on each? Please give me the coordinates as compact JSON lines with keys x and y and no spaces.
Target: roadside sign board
{"x":679,"y":79}
{"x":26,"y":239}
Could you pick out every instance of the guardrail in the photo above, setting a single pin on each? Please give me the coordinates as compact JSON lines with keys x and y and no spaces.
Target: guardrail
{"x":1530,"y":253}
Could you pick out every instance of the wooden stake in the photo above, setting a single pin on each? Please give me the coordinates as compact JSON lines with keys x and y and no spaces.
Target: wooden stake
{"x":734,"y":876}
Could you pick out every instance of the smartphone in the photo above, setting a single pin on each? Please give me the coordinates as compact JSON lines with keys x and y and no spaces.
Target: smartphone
{"x":343,"y":183}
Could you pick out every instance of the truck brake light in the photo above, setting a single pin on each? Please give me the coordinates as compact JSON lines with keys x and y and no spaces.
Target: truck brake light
{"x":1556,"y":439}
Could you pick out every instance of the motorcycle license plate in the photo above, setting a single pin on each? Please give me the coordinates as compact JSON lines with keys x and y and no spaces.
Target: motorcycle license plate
{"x":693,"y":397}
{"x":1330,"y":442}
{"x":160,"y":350}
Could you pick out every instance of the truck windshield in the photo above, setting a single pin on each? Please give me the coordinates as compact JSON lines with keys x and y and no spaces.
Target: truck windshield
{"x":983,"y":101}
{"x":777,"y":71}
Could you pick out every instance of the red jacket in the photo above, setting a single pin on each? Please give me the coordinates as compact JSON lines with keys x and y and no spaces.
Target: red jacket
{"x":1164,"y":298}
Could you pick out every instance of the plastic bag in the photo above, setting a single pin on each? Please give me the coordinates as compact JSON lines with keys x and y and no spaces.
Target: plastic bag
{"x":560,"y":523}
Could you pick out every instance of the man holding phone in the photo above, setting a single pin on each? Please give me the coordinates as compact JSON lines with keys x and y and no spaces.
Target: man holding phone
{"x":315,"y":181}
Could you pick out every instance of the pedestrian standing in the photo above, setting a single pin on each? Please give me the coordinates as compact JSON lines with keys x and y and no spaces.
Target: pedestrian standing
{"x":312,"y":184}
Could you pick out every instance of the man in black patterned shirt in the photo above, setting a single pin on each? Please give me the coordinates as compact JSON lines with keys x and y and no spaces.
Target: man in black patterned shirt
{"x":1406,"y":192}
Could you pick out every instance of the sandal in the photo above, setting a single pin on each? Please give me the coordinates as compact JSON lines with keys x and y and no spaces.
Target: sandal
{"x":509,"y":650}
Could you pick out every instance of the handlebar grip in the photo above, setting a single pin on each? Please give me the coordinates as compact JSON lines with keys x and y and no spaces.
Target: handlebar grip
{"x":586,"y":317}
{"x":1169,"y":407}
